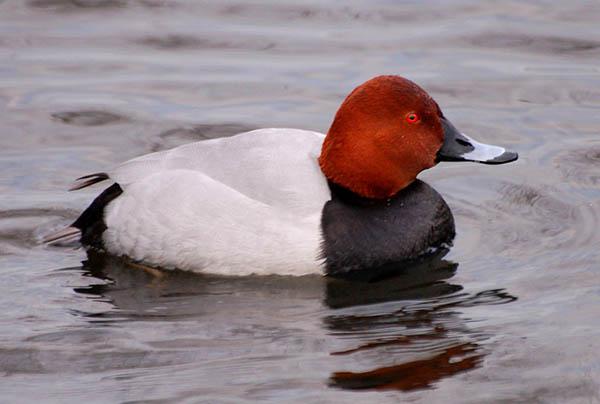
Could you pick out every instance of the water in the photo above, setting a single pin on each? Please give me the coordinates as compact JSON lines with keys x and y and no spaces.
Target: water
{"x":511,"y":315}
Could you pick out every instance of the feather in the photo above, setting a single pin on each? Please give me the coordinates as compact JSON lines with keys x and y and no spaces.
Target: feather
{"x":67,"y":235}
{"x":88,"y":180}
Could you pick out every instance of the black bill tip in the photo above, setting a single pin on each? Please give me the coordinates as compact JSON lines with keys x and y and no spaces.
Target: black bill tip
{"x":506,"y":157}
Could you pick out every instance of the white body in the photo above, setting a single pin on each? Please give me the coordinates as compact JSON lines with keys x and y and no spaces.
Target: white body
{"x":247,"y":204}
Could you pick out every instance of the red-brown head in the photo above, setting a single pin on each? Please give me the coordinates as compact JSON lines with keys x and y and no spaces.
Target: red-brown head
{"x":385,"y":133}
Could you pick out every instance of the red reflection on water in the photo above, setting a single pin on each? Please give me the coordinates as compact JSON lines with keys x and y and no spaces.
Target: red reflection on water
{"x":419,"y":374}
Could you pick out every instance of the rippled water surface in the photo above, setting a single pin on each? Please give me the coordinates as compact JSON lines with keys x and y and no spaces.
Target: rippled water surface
{"x":510,"y":315}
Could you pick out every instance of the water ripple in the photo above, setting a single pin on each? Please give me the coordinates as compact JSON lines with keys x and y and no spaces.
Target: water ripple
{"x":88,"y":118}
{"x":580,"y":166}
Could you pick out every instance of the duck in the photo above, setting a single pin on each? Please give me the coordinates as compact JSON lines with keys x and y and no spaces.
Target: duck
{"x":282,"y":201}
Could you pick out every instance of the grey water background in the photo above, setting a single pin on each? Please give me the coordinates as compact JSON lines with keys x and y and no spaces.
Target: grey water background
{"x":513,"y":313}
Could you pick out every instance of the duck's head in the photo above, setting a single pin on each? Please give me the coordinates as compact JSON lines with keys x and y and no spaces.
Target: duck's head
{"x":387,"y":131}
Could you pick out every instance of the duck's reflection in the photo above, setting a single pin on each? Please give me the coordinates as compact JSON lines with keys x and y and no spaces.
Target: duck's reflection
{"x":413,"y":344}
{"x":405,"y":332}
{"x":418,"y":344}
{"x":420,"y":280}
{"x":417,"y":374}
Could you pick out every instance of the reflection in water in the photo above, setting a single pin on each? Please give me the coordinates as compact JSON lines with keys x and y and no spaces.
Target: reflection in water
{"x":413,"y":375}
{"x":407,"y":331}
{"x":431,"y":328}
{"x":139,"y":292}
{"x":417,"y":345}
{"x":421,"y":280}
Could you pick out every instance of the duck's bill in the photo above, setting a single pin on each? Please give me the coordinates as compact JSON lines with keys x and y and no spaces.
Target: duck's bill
{"x":460,"y":147}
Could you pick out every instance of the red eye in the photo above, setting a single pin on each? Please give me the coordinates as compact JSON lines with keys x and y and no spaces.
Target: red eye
{"x":412,"y":118}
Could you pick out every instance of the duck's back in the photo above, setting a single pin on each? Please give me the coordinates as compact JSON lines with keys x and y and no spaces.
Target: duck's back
{"x":275,"y":166}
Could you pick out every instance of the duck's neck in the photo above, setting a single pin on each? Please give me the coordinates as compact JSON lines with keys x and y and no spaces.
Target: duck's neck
{"x":357,"y":164}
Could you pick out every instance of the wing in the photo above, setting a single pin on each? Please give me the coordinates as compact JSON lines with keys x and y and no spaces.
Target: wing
{"x":277,"y":167}
{"x":187,"y":220}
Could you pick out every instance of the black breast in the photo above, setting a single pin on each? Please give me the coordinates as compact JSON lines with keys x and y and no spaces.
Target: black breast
{"x":365,"y":235}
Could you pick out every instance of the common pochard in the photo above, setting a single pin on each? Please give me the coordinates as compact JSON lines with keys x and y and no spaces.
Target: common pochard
{"x":289,"y":201}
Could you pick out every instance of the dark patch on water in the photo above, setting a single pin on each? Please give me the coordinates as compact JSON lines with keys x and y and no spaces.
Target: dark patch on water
{"x":588,"y":96}
{"x":88,"y":118}
{"x":69,"y":5}
{"x":181,"y":42}
{"x":206,"y":131}
{"x":193,"y":133}
{"x":542,"y":44}
{"x":580,"y":166}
